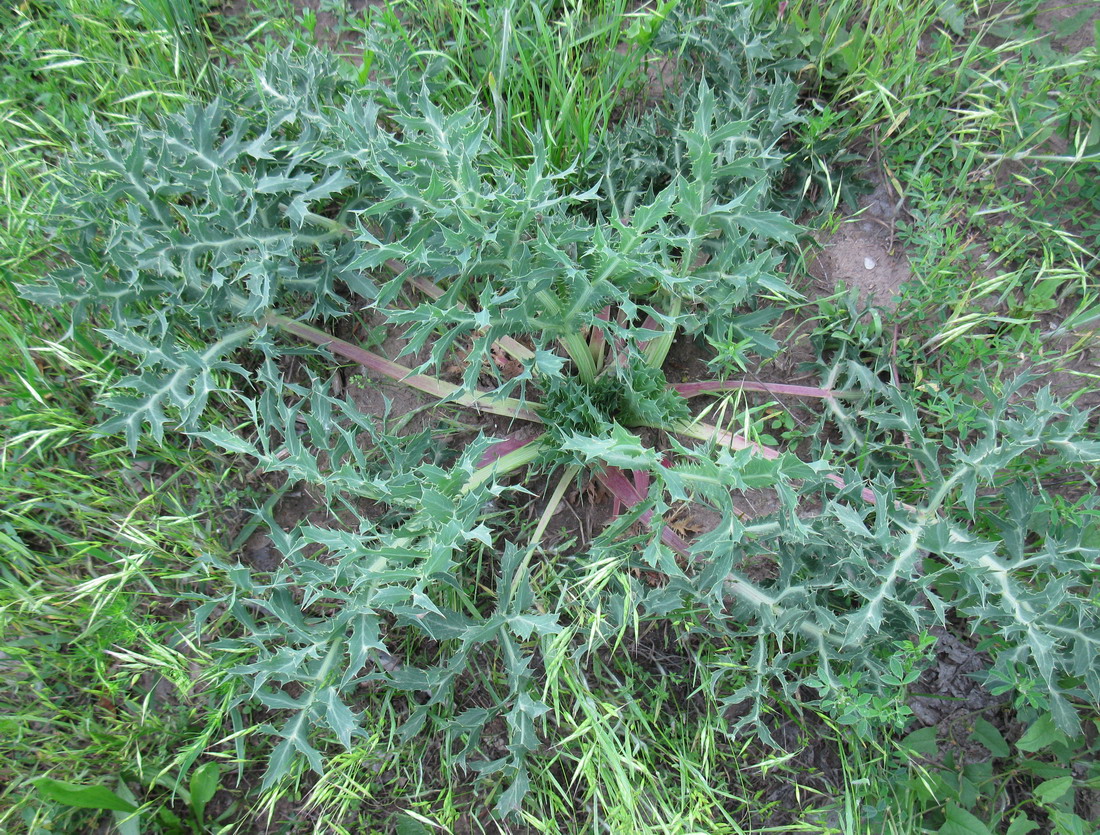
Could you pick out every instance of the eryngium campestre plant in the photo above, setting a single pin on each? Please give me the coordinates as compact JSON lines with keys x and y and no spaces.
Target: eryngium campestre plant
{"x":215,"y":240}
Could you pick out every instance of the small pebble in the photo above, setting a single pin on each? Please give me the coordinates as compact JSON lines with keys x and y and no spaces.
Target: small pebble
{"x":869,"y":263}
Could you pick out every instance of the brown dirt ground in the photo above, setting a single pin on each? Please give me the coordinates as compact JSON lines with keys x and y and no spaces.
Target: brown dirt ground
{"x":863,"y":253}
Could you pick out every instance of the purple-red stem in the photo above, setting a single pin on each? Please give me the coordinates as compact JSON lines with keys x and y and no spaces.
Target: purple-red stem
{"x":706,"y":432}
{"x":707,"y":387}
{"x":620,"y":487}
{"x":503,"y":406}
{"x":597,"y":342}
{"x":501,"y":448}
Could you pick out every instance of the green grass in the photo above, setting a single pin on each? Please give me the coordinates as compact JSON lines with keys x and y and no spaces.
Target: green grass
{"x":65,"y":62}
{"x":103,"y":685}
{"x":561,"y":70}
{"x":987,"y":139}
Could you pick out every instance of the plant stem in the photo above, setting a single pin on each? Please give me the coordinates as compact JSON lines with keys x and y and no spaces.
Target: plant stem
{"x":783,"y":389}
{"x":503,"y":406}
{"x":707,"y":432}
{"x":657,"y":350}
{"x":578,"y":350}
{"x":552,"y":505}
{"x":505,"y":464}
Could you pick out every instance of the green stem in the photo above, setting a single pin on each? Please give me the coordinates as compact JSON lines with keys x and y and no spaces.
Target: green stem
{"x":657,"y":350}
{"x":577,"y":347}
{"x":335,"y":648}
{"x":328,"y":223}
{"x":933,"y":506}
{"x":574,"y":344}
{"x":552,"y":506}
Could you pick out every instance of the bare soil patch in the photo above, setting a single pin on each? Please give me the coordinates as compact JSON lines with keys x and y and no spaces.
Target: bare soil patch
{"x":863,"y":253}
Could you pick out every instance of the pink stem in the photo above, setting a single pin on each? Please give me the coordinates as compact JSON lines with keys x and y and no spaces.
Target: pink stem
{"x":597,"y":342}
{"x":500,"y":449}
{"x":706,"y":432}
{"x":620,"y":487}
{"x":694,"y":389}
{"x":650,"y":324}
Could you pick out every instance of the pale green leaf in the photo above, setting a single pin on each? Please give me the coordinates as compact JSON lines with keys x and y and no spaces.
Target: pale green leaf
{"x":961,"y":822}
{"x":986,"y":734}
{"x":1021,"y":825}
{"x":1050,"y":790}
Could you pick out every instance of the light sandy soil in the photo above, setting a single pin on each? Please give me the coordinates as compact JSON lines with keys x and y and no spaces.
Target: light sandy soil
{"x":864,"y":253}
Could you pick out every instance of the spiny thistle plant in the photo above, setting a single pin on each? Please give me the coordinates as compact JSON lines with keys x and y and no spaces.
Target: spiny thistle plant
{"x":243,"y":231}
